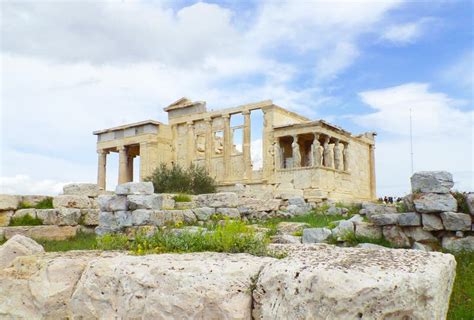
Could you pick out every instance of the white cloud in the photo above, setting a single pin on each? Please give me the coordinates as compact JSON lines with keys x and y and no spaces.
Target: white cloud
{"x":443,"y":135}
{"x":23,"y":184}
{"x":405,"y":33}
{"x":461,"y":72}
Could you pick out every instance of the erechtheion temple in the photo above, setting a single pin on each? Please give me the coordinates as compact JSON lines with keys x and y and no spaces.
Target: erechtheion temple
{"x":298,"y":156}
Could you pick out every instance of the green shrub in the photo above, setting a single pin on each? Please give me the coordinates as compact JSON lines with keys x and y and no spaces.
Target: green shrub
{"x":82,"y":241}
{"x":113,"y":242}
{"x":26,"y":220}
{"x":46,"y":203}
{"x":402,"y":207}
{"x":25,"y":205}
{"x":461,"y":200}
{"x":182,"y":197}
{"x":176,"y":179}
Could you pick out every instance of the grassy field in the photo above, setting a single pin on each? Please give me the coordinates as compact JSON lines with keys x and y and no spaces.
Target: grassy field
{"x":461,"y":306}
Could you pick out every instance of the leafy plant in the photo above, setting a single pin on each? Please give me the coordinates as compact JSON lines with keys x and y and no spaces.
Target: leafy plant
{"x":82,"y":241}
{"x":176,"y":179}
{"x":182,"y":197}
{"x":46,"y":203}
{"x":113,"y":242}
{"x":461,"y":200}
{"x":25,"y":220}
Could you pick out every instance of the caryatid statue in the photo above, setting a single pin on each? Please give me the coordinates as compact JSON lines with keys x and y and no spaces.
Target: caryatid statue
{"x":277,"y":155}
{"x":327,"y":153}
{"x":316,"y":152}
{"x":337,"y":155}
{"x":296,"y":152}
{"x":345,"y":156}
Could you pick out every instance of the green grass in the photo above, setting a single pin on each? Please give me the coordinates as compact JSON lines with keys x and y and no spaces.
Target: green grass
{"x":182,"y":197}
{"x":461,"y":306}
{"x":26,"y":220}
{"x":82,"y":241}
{"x":46,"y":203}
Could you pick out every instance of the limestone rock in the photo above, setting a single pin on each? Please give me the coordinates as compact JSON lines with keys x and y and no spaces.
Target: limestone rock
{"x":344,"y":229}
{"x":178,"y":286}
{"x":184,"y":205}
{"x":315,"y":235}
{"x":145,"y":201}
{"x":141,"y":217}
{"x":333,"y":210}
{"x":384,"y":219}
{"x":297,"y":201}
{"x":455,"y":221}
{"x":68,"y":217}
{"x":16,"y":246}
{"x":421,"y":246}
{"x":82,"y":189}
{"x":25,"y":212}
{"x":204,"y":213}
{"x":458,"y":244}
{"x":285,"y":238}
{"x":432,"y":181}
{"x":48,"y":216}
{"x":8,"y":202}
{"x":396,"y":236}
{"x":295,"y":210}
{"x":431,"y":222}
{"x":254,"y":204}
{"x":291,"y":227}
{"x":470,"y":202}
{"x":90,"y":216}
{"x":435,"y":202}
{"x":417,"y":234}
{"x":369,"y":208}
{"x":32,"y":200}
{"x":112,"y":203}
{"x":41,"y":232}
{"x":371,"y":246}
{"x":5,"y":217}
{"x":134,"y":188}
{"x":368,"y":230}
{"x":71,"y":201}
{"x":123,"y":218}
{"x":356,"y":218}
{"x":410,"y":219}
{"x":232,"y":213}
{"x":218,"y":200}
{"x":328,"y":282}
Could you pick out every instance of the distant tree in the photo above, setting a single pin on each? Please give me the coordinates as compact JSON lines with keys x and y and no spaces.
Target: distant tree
{"x":176,"y":179}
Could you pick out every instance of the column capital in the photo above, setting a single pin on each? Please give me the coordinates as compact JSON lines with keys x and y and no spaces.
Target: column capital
{"x":102,"y":151}
{"x":122,"y":148}
{"x":226,"y":116}
{"x":246,"y":112}
{"x":336,"y":140}
{"x":208,"y":119}
{"x":189,"y":123}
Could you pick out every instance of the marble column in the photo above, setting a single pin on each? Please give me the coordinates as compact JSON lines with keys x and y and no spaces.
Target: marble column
{"x":191,"y":142}
{"x":337,"y":155}
{"x":296,"y":152}
{"x":123,"y":157}
{"x":130,"y":169}
{"x":144,"y":165}
{"x":316,"y":155}
{"x":227,"y":147}
{"x":102,"y":169}
{"x":373,"y":193}
{"x":346,"y":156}
{"x":246,"y":146}
{"x":208,"y":152}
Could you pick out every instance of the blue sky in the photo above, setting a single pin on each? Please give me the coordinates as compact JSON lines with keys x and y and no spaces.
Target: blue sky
{"x":70,"y":67}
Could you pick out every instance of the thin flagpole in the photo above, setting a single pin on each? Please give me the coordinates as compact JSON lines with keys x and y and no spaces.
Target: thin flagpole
{"x":411,"y":143}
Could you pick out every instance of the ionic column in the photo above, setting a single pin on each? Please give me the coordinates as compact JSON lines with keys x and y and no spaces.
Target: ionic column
{"x":296,"y":152}
{"x":326,"y":153}
{"x":123,"y":156}
{"x":346,"y":156}
{"x":373,"y":193}
{"x":315,"y":151}
{"x":190,"y":142}
{"x":208,"y":152}
{"x":227,"y":146}
{"x":246,"y":146}
{"x":130,"y":169}
{"x":337,"y":155}
{"x":144,"y":166}
{"x":101,"y":170}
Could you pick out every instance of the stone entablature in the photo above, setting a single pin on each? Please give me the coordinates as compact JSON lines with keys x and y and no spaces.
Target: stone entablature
{"x":341,"y":165}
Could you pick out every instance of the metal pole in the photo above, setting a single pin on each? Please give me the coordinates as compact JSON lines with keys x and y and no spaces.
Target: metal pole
{"x":411,"y":143}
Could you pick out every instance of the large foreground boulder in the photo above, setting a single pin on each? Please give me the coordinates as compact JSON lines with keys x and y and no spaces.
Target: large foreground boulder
{"x":328,"y":282}
{"x":432,"y":181}
{"x":17,"y":246}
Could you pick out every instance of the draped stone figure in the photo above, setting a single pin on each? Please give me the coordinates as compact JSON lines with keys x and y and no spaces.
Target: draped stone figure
{"x":345,"y":156}
{"x":296,"y":153}
{"x":337,"y":156}
{"x":327,"y":153}
{"x":316,"y":155}
{"x":278,"y":155}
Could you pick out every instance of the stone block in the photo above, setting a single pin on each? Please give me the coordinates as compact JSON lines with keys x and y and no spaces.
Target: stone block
{"x":5,"y":217}
{"x":32,"y":200}
{"x":25,"y":212}
{"x":71,"y":201}
{"x":68,"y":217}
{"x":112,"y":203}
{"x":434,"y":202}
{"x":431,"y":222}
{"x":291,"y":227}
{"x":384,"y":219}
{"x":218,"y":200}
{"x":295,"y":210}
{"x":90,"y":217}
{"x":145,"y":201}
{"x":107,"y":220}
{"x":470,"y":202}
{"x":315,"y":235}
{"x":253,"y":204}
{"x":232,"y":213}
{"x":141,"y":217}
{"x":354,"y":283}
{"x":369,"y":208}
{"x":458,"y":244}
{"x":421,"y":247}
{"x":82,"y":189}
{"x":334,"y":211}
{"x":41,"y":232}
{"x":297,"y":201}
{"x":344,"y":229}
{"x":396,"y":236}
{"x":8,"y":202}
{"x":48,"y":216}
{"x":134,"y":188}
{"x":16,"y":246}
{"x":455,"y":221}
{"x":409,"y":219}
{"x":285,"y":238}
{"x":204,"y":213}
{"x":184,"y":205}
{"x":367,"y":230}
{"x":432,"y":181}
{"x":123,"y":218}
{"x":417,"y":234}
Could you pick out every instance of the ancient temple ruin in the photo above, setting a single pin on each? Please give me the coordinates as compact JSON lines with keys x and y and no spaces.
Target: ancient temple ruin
{"x":298,"y":156}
